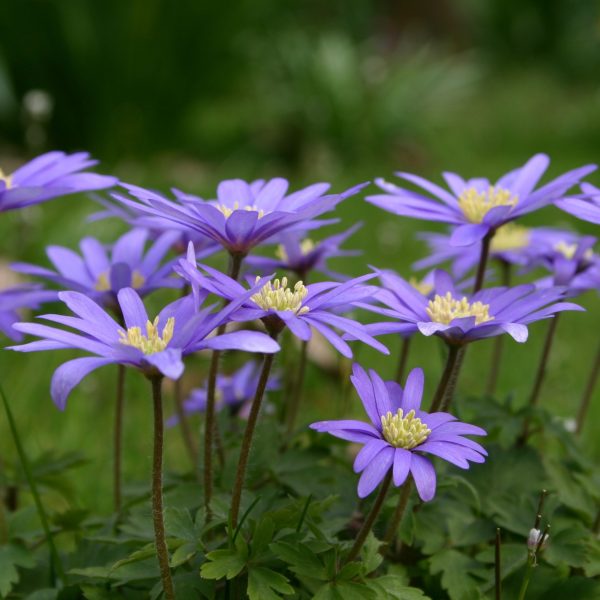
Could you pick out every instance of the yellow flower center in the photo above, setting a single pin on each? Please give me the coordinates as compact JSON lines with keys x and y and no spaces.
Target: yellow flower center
{"x":306,"y":246}
{"x":475,"y":205}
{"x":103,"y":282}
{"x":569,"y":250}
{"x":152,"y":342}
{"x":404,"y":431}
{"x":421,"y":286}
{"x":276,"y":295}
{"x":236,"y":206}
{"x":510,"y":237}
{"x":444,"y":309}
{"x":7,"y":179}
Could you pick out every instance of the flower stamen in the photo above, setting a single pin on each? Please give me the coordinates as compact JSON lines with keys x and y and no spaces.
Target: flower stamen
{"x":510,"y":237}
{"x":404,"y":431}
{"x":227,"y":211}
{"x":7,"y":179}
{"x":421,"y":286}
{"x":475,"y":204}
{"x":152,"y":342}
{"x":306,"y":246}
{"x":276,"y":295}
{"x":103,"y":282}
{"x":444,"y":309}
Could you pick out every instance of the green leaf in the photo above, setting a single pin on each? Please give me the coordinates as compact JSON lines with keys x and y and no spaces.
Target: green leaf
{"x":301,"y":559}
{"x":91,"y":592}
{"x":391,"y":587}
{"x":147,"y":551}
{"x":345,"y":590}
{"x":223,"y":563}
{"x":265,"y":584}
{"x":179,"y":524}
{"x":45,"y":594}
{"x":371,"y":558}
{"x":567,"y":546}
{"x":455,"y":569}
{"x":263,"y":535}
{"x":11,"y":557}
{"x":184,"y":553}
{"x":592,"y":562}
{"x":512,"y":558}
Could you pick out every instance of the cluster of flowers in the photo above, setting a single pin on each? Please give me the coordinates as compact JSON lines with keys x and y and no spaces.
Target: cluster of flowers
{"x":103,"y":287}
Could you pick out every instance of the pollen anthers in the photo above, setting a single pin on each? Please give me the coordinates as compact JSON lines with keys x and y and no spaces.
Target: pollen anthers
{"x":421,"y":286}
{"x":510,"y":237}
{"x":7,"y":179}
{"x":404,"y":431}
{"x":152,"y":342}
{"x":569,"y":250}
{"x":444,"y":309}
{"x":103,"y":282}
{"x":227,"y":211}
{"x":276,"y":295}
{"x":475,"y":204}
{"x":306,"y":246}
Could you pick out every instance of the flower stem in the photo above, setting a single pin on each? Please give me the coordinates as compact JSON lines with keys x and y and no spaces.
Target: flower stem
{"x":483,"y":259}
{"x":370,"y":520}
{"x":539,"y":378}
{"x":526,"y":578}
{"x":55,"y":562}
{"x":404,"y":351}
{"x":492,"y":381}
{"x":587,"y":394}
{"x":497,"y":567}
{"x":118,"y":437}
{"x":294,"y":405}
{"x":184,"y":426}
{"x":450,"y":373}
{"x":398,"y":515}
{"x":240,"y":474}
{"x":157,"y":500}
{"x":235,"y":263}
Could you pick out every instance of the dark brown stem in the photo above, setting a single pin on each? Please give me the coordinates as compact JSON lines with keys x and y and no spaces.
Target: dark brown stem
{"x":483,"y":259}
{"x":492,"y":381}
{"x":447,"y":375}
{"x":240,"y":474}
{"x":294,"y":405}
{"x":587,"y":394}
{"x":370,"y":520}
{"x":539,"y":377}
{"x":118,"y":437}
{"x":184,"y":426}
{"x":404,"y":351}
{"x":162,"y":552}
{"x":398,"y":515}
{"x":235,"y":263}
{"x":497,"y":575}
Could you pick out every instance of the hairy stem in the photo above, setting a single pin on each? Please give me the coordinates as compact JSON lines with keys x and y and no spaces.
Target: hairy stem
{"x":539,"y":377}
{"x":370,"y":520}
{"x":235,"y":263}
{"x":118,"y":437}
{"x":184,"y":426}
{"x":492,"y":382}
{"x":55,"y":562}
{"x":162,"y":552}
{"x":398,"y":515}
{"x":452,"y":364}
{"x":294,"y":405}
{"x":483,"y":259}
{"x":404,"y":351}
{"x":240,"y":474}
{"x":587,"y":394}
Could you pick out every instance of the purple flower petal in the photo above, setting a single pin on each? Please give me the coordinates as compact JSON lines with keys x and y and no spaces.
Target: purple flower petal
{"x":368,"y":452}
{"x":402,"y":462}
{"x":375,"y":472}
{"x":168,"y":362}
{"x":424,"y":475}
{"x":248,"y":341}
{"x":69,"y":374}
{"x":467,"y":235}
{"x":413,"y":391}
{"x":133,"y":309}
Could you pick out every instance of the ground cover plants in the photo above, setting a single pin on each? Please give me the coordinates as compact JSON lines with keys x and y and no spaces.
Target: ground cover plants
{"x":386,"y":492}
